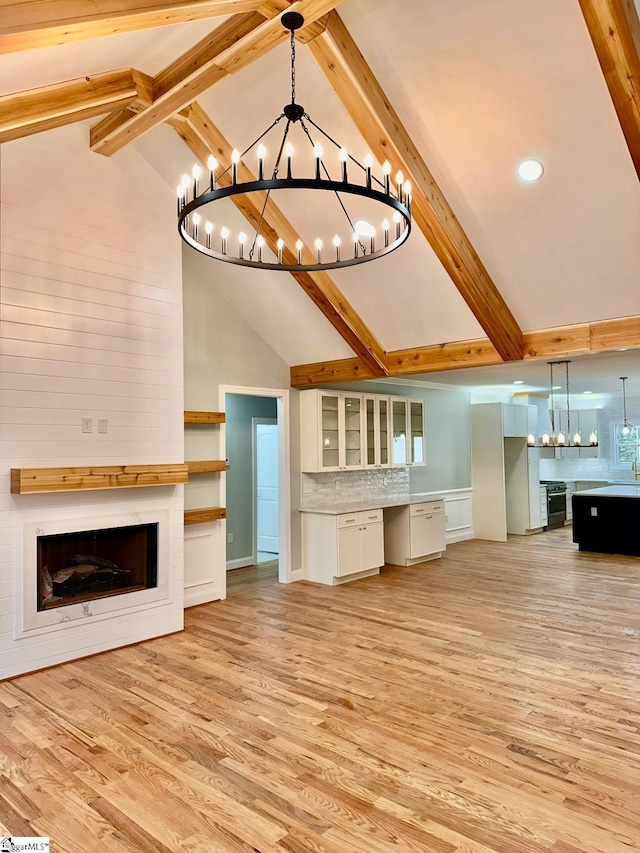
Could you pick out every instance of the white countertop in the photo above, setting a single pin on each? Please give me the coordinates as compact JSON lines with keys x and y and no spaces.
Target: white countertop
{"x":610,"y":492}
{"x":364,"y":505}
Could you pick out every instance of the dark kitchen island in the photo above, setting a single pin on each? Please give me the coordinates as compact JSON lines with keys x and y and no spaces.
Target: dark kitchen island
{"x":607,"y":520}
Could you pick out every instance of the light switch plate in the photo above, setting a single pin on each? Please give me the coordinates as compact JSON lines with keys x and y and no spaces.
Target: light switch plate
{"x":103,"y":425}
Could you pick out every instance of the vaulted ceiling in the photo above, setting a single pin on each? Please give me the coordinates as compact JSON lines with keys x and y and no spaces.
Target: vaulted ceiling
{"x":454,"y":92}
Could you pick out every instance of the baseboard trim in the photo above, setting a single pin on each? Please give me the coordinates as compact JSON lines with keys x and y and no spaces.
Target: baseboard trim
{"x":297,"y":575}
{"x":201,"y":597}
{"x":240,"y":563}
{"x":459,"y":536}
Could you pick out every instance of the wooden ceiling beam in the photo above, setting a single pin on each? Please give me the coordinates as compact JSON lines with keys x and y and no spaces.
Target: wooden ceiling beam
{"x":204,"y":138}
{"x":25,"y":113}
{"x":560,"y":342}
{"x":355,"y":84}
{"x":614,"y":28}
{"x":232,"y":46}
{"x":33,"y":24}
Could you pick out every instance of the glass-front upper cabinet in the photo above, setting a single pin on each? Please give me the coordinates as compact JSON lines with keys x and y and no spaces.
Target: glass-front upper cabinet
{"x":330,"y":428}
{"x":377,"y":432}
{"x":352,"y":420}
{"x":407,"y":419}
{"x":399,"y":431}
{"x":331,"y":431}
{"x":416,"y":432}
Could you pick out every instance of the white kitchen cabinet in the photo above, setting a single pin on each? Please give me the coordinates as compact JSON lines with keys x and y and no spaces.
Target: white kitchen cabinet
{"x":505,"y":472}
{"x":331,"y":431}
{"x":522,"y":487}
{"x":517,"y":420}
{"x":341,"y":548}
{"x":377,"y":431}
{"x":414,"y":533}
{"x":407,"y":432}
{"x":348,"y":432}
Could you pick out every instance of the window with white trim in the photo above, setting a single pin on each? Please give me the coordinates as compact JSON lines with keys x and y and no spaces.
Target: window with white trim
{"x":627,"y":445}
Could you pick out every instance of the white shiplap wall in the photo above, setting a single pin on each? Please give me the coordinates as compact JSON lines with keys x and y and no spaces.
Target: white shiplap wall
{"x":90,"y":326}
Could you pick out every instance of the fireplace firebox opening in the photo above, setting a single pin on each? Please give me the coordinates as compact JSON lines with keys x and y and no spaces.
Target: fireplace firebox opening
{"x":91,"y":564}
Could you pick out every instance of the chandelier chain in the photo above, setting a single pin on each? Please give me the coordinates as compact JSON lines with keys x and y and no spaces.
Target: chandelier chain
{"x":293,"y":67}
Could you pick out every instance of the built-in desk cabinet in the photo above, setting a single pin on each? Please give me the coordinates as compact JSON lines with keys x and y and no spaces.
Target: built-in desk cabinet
{"x":341,"y":548}
{"x":414,"y":533}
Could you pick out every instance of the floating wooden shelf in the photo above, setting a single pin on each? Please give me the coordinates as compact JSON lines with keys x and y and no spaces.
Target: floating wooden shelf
{"x":26,"y":481}
{"x":199,"y":516}
{"x":206,"y":466}
{"x":204,"y":417}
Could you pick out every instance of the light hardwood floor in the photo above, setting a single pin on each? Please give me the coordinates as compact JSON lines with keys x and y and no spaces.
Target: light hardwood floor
{"x":487,"y":702}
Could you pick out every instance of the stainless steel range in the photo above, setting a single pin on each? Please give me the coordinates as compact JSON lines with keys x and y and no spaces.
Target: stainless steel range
{"x":556,"y":503}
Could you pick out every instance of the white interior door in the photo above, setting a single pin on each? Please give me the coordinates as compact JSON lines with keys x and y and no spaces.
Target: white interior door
{"x":266,"y":445}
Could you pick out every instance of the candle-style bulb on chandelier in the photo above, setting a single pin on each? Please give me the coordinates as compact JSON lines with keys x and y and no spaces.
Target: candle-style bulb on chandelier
{"x":364,"y":204}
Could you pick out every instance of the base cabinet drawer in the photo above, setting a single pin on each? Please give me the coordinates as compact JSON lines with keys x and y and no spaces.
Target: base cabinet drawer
{"x":414,"y":533}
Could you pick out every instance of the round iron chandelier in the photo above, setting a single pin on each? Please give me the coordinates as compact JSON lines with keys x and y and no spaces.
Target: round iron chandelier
{"x":357,"y":240}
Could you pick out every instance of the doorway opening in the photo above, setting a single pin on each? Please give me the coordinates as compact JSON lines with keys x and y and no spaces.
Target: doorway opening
{"x":257,"y":485}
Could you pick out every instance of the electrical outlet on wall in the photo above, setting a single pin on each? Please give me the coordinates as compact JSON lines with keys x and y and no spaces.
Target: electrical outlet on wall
{"x":87,"y":424}
{"x":229,"y":538}
{"x":103,"y":425}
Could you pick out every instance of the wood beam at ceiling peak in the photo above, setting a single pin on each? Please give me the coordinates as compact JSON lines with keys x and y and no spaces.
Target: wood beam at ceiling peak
{"x":33,"y":24}
{"x":355,"y":84}
{"x":560,"y":342}
{"x":203,"y":138}
{"x":232,"y":46}
{"x":614,"y":28}
{"x":36,"y":110}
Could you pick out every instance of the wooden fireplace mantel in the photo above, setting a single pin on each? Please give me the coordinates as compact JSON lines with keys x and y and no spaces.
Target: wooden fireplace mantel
{"x":28,"y":481}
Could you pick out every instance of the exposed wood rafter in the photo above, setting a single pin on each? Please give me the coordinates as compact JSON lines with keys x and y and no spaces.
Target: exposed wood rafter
{"x":204,"y":138}
{"x":355,"y":84}
{"x":614,"y":28}
{"x":32,"y":24}
{"x":35,"y":110}
{"x":599,"y":336}
{"x":232,"y":46}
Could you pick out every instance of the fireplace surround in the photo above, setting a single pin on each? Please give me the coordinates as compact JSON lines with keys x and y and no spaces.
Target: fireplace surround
{"x":115,"y":563}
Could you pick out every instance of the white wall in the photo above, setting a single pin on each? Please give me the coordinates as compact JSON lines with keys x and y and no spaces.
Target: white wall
{"x":91,"y":326}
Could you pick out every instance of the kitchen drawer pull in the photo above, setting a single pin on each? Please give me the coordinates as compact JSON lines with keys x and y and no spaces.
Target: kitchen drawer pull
{"x":349,"y":519}
{"x":421,"y":509}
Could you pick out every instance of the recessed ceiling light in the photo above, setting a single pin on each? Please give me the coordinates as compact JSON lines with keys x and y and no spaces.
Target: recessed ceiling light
{"x":518,"y":381}
{"x":587,"y":392}
{"x":530,"y":170}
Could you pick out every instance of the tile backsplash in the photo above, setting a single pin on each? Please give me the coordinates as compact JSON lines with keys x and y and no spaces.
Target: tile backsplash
{"x":318,"y":490}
